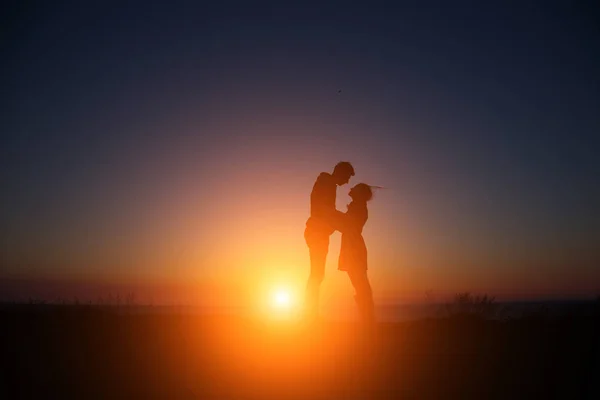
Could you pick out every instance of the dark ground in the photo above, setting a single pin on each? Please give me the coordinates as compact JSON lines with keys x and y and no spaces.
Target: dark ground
{"x":90,"y":352}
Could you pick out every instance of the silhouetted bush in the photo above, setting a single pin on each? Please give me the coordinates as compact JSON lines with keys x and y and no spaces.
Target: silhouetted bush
{"x":466,"y":304}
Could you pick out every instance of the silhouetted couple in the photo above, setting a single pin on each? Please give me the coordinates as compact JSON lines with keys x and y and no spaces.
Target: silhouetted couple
{"x":323,"y":221}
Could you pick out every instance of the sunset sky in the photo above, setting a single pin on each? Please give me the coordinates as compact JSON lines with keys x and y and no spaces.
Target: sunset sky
{"x":172,"y":146}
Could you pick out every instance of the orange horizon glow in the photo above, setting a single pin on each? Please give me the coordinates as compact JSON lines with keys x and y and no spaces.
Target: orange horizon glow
{"x":251,"y":240}
{"x":276,"y":291}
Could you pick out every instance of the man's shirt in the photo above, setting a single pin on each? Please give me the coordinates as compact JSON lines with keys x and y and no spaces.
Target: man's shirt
{"x":323,"y":215}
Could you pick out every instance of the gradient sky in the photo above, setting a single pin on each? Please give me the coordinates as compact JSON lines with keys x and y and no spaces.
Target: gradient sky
{"x":176,"y":143}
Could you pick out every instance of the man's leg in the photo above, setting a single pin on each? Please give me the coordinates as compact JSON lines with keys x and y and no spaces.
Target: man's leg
{"x":318,"y":246}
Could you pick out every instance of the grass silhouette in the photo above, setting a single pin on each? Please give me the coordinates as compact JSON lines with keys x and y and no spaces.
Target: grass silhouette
{"x":84,"y":350}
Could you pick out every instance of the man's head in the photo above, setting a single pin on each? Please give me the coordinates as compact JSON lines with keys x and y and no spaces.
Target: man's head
{"x":342,"y":172}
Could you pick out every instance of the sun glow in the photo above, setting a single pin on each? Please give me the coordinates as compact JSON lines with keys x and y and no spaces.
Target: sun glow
{"x":276,"y":292}
{"x":282,"y":302}
{"x":282,"y":299}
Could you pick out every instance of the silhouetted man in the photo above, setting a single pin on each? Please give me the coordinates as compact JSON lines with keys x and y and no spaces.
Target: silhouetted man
{"x":323,"y":221}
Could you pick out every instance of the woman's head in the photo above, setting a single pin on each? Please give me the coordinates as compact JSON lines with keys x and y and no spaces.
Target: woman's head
{"x":361,"y":192}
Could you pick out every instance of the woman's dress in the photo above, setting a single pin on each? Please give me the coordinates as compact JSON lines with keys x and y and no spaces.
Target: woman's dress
{"x":353,"y":251}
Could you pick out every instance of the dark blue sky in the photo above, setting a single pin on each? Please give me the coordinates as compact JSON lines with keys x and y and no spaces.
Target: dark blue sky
{"x":484,"y":117}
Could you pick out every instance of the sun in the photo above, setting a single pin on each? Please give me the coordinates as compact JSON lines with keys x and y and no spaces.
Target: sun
{"x":281,"y":299}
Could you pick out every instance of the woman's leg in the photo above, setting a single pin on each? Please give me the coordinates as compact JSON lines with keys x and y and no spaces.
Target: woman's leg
{"x":364,"y":295}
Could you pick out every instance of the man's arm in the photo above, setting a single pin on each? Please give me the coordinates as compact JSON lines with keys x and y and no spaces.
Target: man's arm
{"x":339,"y":220}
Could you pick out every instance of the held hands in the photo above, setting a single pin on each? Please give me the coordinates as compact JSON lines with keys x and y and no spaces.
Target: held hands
{"x":340,"y":221}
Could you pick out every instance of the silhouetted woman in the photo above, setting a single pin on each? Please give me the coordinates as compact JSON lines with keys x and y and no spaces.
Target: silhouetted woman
{"x":353,"y":251}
